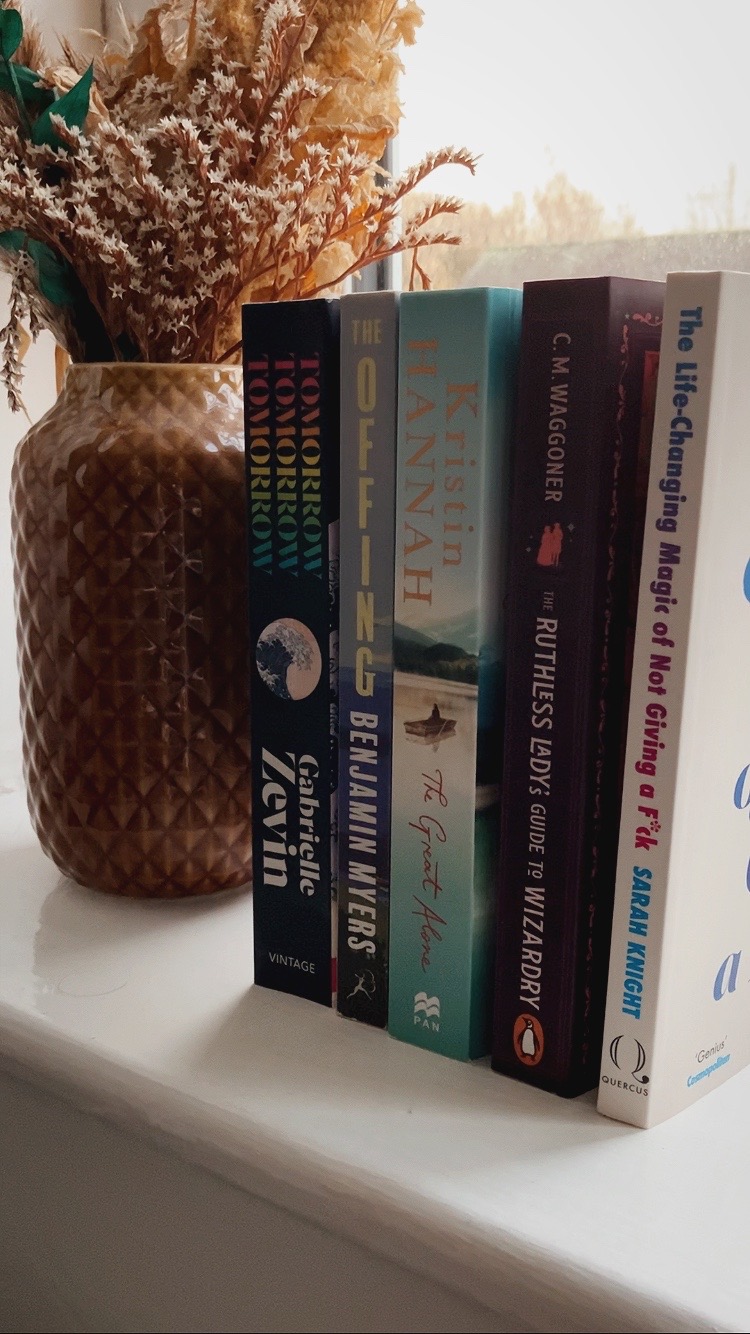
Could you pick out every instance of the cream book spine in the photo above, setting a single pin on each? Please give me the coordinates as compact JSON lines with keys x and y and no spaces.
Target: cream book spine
{"x":678,"y":1005}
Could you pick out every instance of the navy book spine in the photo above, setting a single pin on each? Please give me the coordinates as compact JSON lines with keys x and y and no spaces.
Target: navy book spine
{"x":291,"y":381}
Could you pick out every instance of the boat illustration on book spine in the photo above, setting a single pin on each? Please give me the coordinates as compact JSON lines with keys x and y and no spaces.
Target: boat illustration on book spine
{"x":455,"y":399}
{"x":430,"y":730}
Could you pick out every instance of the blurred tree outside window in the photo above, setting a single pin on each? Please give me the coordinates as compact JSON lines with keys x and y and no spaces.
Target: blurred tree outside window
{"x":611,"y":138}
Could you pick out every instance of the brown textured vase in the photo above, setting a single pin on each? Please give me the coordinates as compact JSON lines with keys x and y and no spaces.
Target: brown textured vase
{"x":131,"y":601}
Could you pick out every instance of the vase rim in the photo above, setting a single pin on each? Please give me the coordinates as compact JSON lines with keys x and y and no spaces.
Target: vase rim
{"x":154,"y":366}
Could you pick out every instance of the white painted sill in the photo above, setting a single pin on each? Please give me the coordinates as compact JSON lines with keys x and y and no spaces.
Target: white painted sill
{"x":535,"y":1208}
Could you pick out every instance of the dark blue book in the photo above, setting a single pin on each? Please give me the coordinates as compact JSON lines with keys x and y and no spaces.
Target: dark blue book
{"x":291,"y":373}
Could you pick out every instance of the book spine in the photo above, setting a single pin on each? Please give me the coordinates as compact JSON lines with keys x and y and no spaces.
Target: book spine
{"x":454,"y":415}
{"x":291,"y":376}
{"x":629,"y":1087}
{"x":369,"y":363}
{"x":580,"y":418}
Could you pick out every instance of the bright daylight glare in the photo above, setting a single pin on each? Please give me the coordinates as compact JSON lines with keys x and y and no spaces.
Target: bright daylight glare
{"x":591,"y":120}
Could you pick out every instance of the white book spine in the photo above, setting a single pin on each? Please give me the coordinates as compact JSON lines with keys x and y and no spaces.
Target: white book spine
{"x":635,"y":1059}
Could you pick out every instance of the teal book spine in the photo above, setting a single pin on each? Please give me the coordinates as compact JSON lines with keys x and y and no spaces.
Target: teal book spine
{"x":458,"y":354}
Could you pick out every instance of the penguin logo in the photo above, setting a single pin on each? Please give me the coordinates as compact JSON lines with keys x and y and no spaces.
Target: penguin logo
{"x":528,"y":1039}
{"x":616,"y":1055}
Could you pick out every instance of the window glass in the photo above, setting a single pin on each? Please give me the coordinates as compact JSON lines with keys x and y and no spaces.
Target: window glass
{"x":613,"y":138}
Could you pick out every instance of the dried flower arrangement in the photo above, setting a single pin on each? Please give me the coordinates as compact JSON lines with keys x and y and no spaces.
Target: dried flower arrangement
{"x":223,"y":151}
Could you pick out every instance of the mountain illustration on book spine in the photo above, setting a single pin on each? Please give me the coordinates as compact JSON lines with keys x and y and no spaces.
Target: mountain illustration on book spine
{"x":442,"y":652}
{"x":455,"y":399}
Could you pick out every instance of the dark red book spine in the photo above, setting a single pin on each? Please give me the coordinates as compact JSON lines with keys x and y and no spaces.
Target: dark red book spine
{"x":589,"y":353}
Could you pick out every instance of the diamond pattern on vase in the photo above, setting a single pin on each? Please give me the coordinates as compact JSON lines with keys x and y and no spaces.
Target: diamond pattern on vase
{"x":129,"y":540}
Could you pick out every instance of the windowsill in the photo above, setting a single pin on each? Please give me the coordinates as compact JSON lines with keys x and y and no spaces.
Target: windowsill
{"x":144,"y":1015}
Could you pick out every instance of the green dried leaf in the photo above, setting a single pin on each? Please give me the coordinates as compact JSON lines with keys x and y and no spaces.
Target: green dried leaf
{"x":73,"y":107}
{"x":13,"y":240}
{"x":27,"y":81}
{"x":11,"y":32}
{"x":55,"y":277}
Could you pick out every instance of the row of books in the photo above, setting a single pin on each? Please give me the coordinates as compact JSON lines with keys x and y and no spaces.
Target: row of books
{"x":474,"y":517}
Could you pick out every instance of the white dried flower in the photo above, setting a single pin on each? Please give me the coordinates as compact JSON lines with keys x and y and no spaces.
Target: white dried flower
{"x":229,"y":154}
